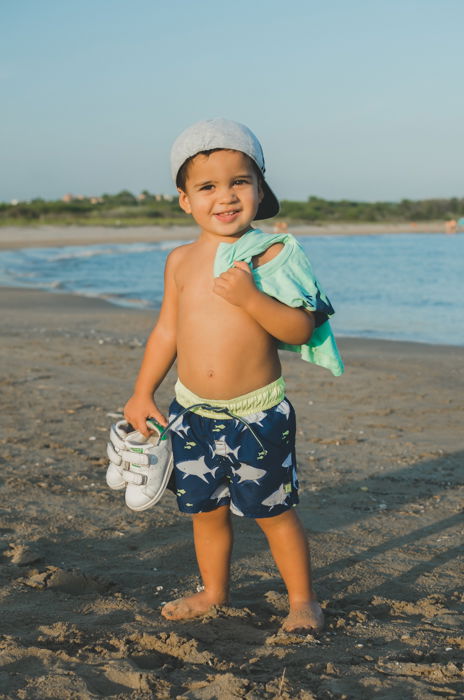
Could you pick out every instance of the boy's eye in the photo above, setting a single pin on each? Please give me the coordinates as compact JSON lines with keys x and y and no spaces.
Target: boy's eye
{"x":240,"y":181}
{"x":206,"y":187}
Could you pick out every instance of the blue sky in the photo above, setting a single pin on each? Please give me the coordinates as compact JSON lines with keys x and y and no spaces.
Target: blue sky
{"x":356,"y":99}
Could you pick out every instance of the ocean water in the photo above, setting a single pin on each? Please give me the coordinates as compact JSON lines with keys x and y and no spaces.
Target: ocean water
{"x":400,"y":287}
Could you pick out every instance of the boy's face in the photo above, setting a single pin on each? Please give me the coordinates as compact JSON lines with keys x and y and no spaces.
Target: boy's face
{"x":221,"y":193}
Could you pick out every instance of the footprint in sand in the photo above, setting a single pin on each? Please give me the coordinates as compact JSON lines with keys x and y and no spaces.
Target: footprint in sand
{"x":22,"y":555}
{"x":67,"y":581}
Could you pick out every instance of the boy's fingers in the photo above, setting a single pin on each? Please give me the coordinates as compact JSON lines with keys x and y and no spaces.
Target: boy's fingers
{"x":140,"y":427}
{"x":229,"y":274}
{"x":219,"y":287}
{"x":223,"y":276}
{"x":159,"y":418}
{"x":126,"y":417}
{"x":242,"y":265}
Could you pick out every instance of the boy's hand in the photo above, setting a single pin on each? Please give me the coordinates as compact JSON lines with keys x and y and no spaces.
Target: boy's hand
{"x":236,"y":284}
{"x":138,"y":409}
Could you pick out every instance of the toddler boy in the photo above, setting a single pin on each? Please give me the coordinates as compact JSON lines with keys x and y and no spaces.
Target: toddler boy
{"x":231,"y":299}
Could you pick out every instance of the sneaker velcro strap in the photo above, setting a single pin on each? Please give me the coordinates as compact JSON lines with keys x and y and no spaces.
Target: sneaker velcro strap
{"x":131,"y":478}
{"x":113,"y":455}
{"x":140,"y":460}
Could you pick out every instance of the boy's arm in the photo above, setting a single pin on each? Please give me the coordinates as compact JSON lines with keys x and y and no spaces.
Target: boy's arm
{"x":293,"y":326}
{"x":160,"y":354}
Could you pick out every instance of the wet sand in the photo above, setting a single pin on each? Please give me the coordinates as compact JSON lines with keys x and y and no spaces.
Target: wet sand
{"x":82,"y":578}
{"x":47,"y":236}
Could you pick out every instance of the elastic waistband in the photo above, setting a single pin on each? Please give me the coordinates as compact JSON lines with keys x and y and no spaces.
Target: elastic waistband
{"x":259,"y":400}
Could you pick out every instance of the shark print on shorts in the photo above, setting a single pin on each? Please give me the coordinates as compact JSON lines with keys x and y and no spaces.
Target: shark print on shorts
{"x":220,"y":462}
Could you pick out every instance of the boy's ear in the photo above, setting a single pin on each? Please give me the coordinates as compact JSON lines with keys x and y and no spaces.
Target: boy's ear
{"x":184,"y":202}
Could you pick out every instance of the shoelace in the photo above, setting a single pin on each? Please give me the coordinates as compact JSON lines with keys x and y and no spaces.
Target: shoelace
{"x":215,"y":409}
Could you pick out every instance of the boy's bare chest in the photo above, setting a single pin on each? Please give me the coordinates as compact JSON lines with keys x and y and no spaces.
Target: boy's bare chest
{"x":195,"y":283}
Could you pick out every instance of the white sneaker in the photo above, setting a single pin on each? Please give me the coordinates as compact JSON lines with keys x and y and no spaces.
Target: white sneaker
{"x":150,"y":466}
{"x":114,"y":474}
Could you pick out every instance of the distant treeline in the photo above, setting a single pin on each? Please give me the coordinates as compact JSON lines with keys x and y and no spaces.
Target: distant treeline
{"x":317,"y":209}
{"x":125,"y":208}
{"x":121,"y":208}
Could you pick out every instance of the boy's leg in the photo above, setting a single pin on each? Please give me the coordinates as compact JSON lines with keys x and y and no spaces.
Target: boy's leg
{"x":212,"y":533}
{"x":289,"y":547}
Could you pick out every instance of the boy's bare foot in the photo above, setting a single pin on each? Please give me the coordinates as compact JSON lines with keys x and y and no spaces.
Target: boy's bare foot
{"x":191,"y":606}
{"x":304,"y":616}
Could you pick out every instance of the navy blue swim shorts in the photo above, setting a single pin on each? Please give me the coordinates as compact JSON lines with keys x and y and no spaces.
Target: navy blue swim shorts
{"x":248,"y":463}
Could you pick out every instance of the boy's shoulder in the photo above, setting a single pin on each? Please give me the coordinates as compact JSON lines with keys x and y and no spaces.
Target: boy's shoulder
{"x":178,"y":254}
{"x":267,"y":255}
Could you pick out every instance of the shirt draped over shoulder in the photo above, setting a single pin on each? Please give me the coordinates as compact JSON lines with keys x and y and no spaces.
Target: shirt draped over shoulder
{"x":289,"y":278}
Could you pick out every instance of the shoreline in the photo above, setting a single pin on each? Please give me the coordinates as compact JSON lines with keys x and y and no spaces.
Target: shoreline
{"x":12,"y":237}
{"x":30,"y":297}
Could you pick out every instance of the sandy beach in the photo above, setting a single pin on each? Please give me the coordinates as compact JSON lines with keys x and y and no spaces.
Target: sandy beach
{"x":49,"y":236}
{"x":82,"y":578}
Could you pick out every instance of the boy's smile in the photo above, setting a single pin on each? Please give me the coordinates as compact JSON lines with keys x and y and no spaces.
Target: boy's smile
{"x":222,"y":193}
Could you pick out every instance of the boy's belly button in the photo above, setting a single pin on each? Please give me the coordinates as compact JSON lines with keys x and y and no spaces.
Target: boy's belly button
{"x":210,"y":373}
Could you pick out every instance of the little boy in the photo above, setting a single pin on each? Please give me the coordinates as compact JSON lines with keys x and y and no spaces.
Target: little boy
{"x":223,"y":321}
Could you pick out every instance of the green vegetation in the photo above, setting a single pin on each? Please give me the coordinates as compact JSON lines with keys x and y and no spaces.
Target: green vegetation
{"x":125,"y":209}
{"x":122,"y":209}
{"x":316,"y":209}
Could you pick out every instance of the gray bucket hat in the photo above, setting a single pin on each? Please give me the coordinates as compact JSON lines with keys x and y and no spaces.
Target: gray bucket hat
{"x":223,"y":133}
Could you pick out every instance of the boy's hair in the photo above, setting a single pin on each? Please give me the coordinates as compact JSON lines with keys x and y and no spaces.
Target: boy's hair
{"x":181,"y":178}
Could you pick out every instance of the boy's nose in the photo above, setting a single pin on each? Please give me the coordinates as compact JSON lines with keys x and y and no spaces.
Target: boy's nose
{"x":228,"y":194}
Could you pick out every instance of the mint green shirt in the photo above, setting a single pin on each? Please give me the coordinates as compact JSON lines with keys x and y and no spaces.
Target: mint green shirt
{"x":289,"y":278}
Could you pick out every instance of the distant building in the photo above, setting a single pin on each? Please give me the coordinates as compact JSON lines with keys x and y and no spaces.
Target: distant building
{"x":67,"y":197}
{"x":14,"y":202}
